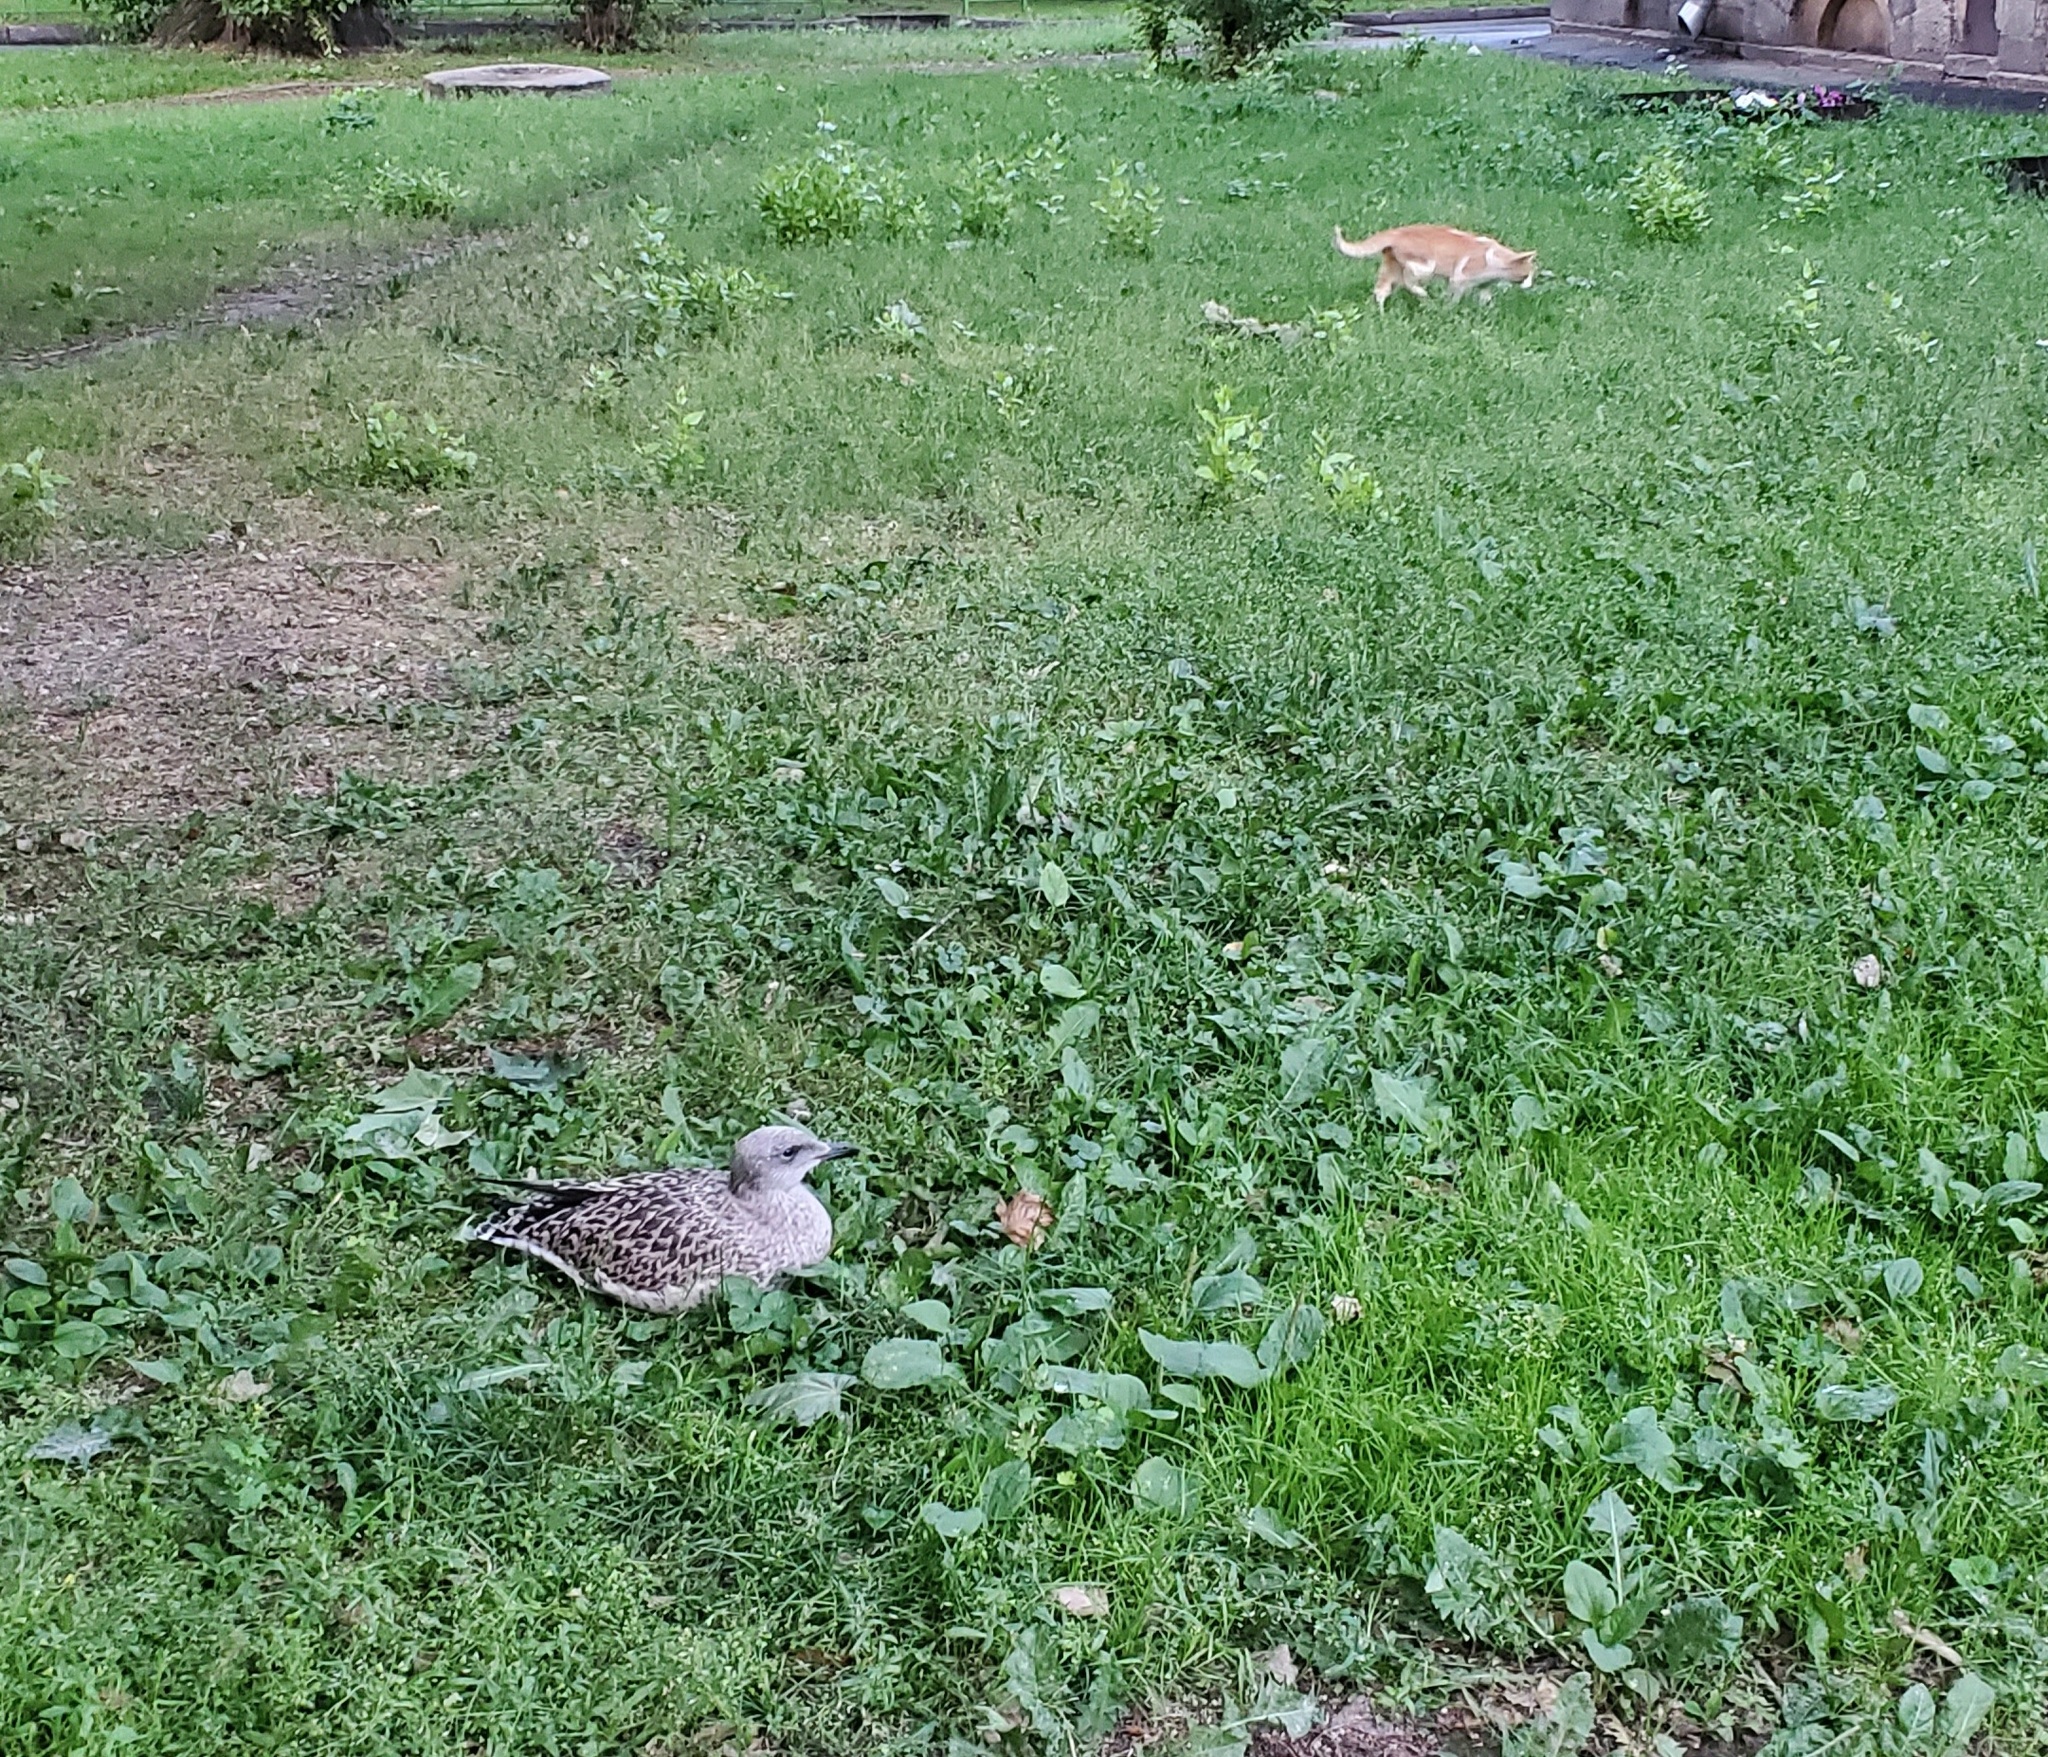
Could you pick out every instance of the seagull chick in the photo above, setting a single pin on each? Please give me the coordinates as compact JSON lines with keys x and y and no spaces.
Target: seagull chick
{"x":660,"y":1241}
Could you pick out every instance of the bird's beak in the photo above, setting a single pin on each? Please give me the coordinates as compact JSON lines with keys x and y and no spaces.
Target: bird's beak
{"x":840,"y":1150}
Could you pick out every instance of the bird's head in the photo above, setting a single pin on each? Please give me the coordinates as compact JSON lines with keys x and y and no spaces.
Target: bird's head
{"x":780,"y":1157}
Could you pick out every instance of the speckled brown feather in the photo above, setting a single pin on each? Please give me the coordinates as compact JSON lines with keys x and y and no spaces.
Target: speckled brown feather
{"x":661,"y":1241}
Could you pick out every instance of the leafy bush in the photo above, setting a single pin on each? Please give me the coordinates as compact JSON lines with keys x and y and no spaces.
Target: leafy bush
{"x":836,"y":193}
{"x":812,"y":200}
{"x":1662,"y":202}
{"x":663,"y":297}
{"x":400,"y":194}
{"x":676,"y":450}
{"x":126,"y":21}
{"x":28,"y":503}
{"x":1130,"y":210}
{"x":900,"y":327}
{"x":1763,"y":160}
{"x":1227,"y":448}
{"x":985,"y":196}
{"x":1813,"y":193}
{"x":346,"y":115}
{"x":607,"y":24}
{"x":395,"y":455}
{"x":295,"y":26}
{"x":1346,"y":485}
{"x":1154,"y":19}
{"x":1234,"y":33}
{"x":298,"y":27}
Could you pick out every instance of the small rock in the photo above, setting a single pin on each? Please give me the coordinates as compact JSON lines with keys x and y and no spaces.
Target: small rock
{"x":1867,"y":971}
{"x":1082,"y":1601}
{"x":241,"y":1386}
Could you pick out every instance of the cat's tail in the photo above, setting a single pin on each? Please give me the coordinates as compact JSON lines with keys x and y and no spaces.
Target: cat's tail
{"x":1364,"y":246}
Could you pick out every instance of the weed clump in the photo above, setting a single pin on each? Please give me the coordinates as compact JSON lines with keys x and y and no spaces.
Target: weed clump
{"x":1661,"y":200}
{"x":1234,"y":33}
{"x":1228,"y":444}
{"x":1346,"y":486}
{"x":396,"y":454}
{"x":836,"y":193}
{"x":1130,"y":210}
{"x":664,"y":298}
{"x":28,"y":503}
{"x":402,"y":194}
{"x":985,"y":196}
{"x":346,"y":115}
{"x":675,"y":452}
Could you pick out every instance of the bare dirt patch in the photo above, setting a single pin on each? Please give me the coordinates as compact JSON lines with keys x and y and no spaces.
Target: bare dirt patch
{"x":300,"y":291}
{"x":136,"y":692}
{"x":1474,"y":1719}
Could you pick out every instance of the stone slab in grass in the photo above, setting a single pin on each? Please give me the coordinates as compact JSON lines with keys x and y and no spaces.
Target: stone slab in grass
{"x":531,"y":78}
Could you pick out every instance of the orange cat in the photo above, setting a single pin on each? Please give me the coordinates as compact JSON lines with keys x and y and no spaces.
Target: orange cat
{"x":1413,"y":256}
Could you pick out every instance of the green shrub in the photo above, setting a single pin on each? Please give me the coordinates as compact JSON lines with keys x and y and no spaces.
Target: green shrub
{"x":1234,"y":33}
{"x":1346,"y":485}
{"x":811,"y":201}
{"x":28,"y":503}
{"x":900,"y":327}
{"x":985,"y":196}
{"x":835,"y":194}
{"x":126,"y":21}
{"x":396,"y":455}
{"x":1763,"y":160}
{"x":1130,"y":210}
{"x":1661,"y":200}
{"x":346,"y":115}
{"x":663,"y":297}
{"x":1813,"y":192}
{"x":608,"y":24}
{"x":400,"y":194}
{"x":1154,"y":19}
{"x":298,"y":27}
{"x":675,"y":452}
{"x":1228,"y":446}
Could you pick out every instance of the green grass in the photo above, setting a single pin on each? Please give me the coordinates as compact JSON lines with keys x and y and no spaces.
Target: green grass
{"x":49,"y":79}
{"x":1447,"y":904}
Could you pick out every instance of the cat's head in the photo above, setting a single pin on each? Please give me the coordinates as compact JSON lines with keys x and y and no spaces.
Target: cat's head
{"x":1523,"y":267}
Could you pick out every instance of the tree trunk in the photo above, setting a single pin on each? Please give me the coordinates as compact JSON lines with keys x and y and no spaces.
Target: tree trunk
{"x":605,"y":24}
{"x":188,"y":24}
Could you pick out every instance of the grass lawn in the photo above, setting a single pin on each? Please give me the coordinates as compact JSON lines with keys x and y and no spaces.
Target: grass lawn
{"x":1507,"y":922}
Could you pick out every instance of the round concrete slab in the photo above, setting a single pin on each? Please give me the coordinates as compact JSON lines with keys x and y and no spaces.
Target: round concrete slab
{"x":535,"y":78}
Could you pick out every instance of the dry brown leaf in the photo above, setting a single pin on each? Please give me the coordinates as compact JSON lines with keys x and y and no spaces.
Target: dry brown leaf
{"x":1843,"y":1334}
{"x":1718,"y":1364}
{"x":1926,"y":1638}
{"x":1025,"y":1218}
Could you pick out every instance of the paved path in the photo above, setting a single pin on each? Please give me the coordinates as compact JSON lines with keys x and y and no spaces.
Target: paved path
{"x":1503,"y":33}
{"x":1533,"y":36}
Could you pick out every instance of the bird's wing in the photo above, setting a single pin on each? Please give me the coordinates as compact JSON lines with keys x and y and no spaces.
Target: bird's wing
{"x":650,"y":1233}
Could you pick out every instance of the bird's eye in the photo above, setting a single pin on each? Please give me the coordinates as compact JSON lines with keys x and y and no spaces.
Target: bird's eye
{"x":789,"y":1152}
